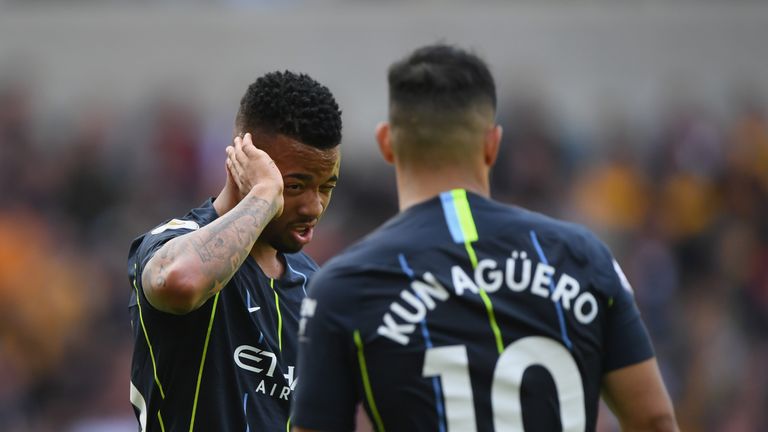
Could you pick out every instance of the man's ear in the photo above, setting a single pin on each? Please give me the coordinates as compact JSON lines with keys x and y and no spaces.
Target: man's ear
{"x":491,"y":146}
{"x":385,"y":146}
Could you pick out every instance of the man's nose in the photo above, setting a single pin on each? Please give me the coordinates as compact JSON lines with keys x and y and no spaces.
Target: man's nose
{"x":312,"y":204}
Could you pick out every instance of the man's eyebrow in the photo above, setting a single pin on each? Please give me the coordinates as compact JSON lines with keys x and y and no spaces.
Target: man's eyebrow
{"x":300,"y":176}
{"x":310,"y":177}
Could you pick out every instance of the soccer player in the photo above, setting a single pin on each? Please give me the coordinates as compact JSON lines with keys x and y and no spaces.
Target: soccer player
{"x":462,"y":313}
{"x":216,"y":293}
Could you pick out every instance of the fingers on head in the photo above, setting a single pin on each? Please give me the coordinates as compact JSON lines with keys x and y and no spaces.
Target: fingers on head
{"x":233,"y":163}
{"x":232,"y":159}
{"x":246,"y":146}
{"x":233,"y":171}
{"x":247,"y":139}
{"x":238,"y":154}
{"x":250,"y":150}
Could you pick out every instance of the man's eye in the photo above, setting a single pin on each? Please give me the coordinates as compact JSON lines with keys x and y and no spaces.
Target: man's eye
{"x":293,"y":187}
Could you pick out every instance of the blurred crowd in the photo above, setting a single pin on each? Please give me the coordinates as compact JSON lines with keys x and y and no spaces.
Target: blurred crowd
{"x":682,"y":201}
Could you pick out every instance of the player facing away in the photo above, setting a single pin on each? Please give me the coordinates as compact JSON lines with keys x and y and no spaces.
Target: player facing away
{"x":215,"y":294}
{"x":462,"y":313}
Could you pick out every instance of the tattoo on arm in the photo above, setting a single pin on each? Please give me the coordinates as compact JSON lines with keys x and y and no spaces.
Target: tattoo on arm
{"x":221,"y":246}
{"x":227,"y":245}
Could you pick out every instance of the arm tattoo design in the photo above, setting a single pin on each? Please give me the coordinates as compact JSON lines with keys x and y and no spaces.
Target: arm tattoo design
{"x":228,"y":243}
{"x":221,"y":246}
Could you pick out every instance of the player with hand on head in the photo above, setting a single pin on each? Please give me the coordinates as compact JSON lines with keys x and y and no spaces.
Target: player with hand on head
{"x":215,"y":294}
{"x":462,"y":313}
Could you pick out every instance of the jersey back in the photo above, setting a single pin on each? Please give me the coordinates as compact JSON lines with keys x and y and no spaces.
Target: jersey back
{"x":465,"y":314}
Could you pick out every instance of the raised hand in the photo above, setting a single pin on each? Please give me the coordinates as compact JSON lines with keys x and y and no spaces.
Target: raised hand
{"x":251,"y":167}
{"x":189,"y":269}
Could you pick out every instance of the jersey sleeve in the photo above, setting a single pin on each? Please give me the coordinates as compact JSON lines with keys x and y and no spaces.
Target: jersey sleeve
{"x":626,"y":339}
{"x":144,"y":247}
{"x":326,"y":394}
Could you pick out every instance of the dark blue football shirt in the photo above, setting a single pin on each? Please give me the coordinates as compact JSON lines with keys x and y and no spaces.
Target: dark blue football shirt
{"x":464,"y":314}
{"x":227,"y":366}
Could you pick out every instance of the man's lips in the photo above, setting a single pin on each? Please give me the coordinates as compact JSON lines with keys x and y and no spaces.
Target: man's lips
{"x":302,"y":226}
{"x":303,"y":232}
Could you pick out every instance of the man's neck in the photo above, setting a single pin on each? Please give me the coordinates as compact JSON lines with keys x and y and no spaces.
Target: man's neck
{"x":268,"y":259}
{"x":414,"y":187}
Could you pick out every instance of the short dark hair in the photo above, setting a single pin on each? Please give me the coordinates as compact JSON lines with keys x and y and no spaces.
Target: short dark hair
{"x":294,"y":105}
{"x":440,"y":78}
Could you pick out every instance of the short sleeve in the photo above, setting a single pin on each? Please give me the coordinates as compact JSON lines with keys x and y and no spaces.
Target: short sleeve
{"x":326,"y":393}
{"x":144,"y":247}
{"x":626,"y":338}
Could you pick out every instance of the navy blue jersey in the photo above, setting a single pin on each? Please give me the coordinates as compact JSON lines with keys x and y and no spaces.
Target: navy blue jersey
{"x":227,"y":366}
{"x":464,"y":314}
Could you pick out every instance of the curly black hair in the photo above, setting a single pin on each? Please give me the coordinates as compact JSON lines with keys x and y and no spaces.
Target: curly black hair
{"x":294,"y":105}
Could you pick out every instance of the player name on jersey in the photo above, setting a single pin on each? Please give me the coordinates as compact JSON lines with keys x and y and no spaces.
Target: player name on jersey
{"x":519,"y":274}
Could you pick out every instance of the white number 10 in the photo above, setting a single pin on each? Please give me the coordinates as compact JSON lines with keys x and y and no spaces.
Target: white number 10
{"x":451,"y":364}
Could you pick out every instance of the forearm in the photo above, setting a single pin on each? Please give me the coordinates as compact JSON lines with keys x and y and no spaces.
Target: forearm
{"x":189,"y":269}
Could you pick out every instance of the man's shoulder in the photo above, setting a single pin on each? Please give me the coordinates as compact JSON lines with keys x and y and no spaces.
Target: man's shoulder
{"x":541,"y":228}
{"x":193,"y":220}
{"x":352,"y":271}
{"x":370,"y":251}
{"x":560,"y":240}
{"x":410,"y":234}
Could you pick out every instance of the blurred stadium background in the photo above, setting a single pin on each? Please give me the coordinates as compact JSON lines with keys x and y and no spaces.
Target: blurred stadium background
{"x":646,"y":121}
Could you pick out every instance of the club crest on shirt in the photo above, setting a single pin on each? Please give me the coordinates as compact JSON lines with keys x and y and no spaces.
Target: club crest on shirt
{"x":175,"y":224}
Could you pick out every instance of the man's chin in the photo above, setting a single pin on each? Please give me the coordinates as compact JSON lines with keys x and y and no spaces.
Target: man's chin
{"x":288,"y":247}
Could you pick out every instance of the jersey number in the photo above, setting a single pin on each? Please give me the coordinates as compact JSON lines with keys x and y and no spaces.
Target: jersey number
{"x":451,"y":364}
